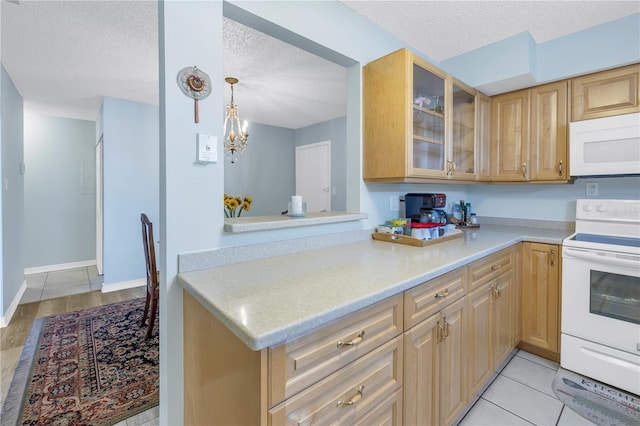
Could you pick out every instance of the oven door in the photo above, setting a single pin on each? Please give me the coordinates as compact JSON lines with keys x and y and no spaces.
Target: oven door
{"x":601,"y":297}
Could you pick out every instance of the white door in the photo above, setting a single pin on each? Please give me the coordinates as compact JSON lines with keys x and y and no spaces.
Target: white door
{"x":99,"y":204}
{"x":313,"y":175}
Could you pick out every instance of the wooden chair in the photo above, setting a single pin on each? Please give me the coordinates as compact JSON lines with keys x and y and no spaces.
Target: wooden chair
{"x":153,"y":290}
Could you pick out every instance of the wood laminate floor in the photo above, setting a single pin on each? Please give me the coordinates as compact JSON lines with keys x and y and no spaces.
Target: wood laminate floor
{"x":13,"y":337}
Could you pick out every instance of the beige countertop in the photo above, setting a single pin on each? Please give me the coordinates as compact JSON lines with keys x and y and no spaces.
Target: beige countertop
{"x":268,"y":301}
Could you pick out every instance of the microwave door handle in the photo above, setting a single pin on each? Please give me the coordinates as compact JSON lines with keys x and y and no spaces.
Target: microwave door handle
{"x":630,"y":260}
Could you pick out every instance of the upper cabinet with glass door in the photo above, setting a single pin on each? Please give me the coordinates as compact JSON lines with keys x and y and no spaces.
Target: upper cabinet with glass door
{"x":418,"y":122}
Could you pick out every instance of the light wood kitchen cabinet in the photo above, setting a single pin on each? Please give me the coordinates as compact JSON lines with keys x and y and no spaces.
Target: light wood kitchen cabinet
{"x":419,"y":122}
{"x":370,"y":386}
{"x":480,"y":364}
{"x":510,"y":136}
{"x":483,"y":136}
{"x":549,"y":129}
{"x":491,"y":310}
{"x":529,"y":135}
{"x":540,"y":299}
{"x":296,"y":365}
{"x":607,"y":93}
{"x":435,"y":353}
{"x":346,"y":371}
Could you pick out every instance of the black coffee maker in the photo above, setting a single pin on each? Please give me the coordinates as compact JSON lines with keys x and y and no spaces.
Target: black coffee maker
{"x":424,"y":208}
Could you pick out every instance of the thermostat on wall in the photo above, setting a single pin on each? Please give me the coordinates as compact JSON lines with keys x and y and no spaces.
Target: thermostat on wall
{"x":207,"y":149}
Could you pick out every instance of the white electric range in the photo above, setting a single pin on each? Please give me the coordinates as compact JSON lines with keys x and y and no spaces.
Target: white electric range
{"x":601,"y":293}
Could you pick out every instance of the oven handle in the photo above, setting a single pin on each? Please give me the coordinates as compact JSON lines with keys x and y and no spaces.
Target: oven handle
{"x":629,"y":260}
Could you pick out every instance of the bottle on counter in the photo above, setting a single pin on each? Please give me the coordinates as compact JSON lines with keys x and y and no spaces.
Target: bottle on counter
{"x":474,"y":219}
{"x":455,"y":211}
{"x":463,"y":211}
{"x":468,"y":215}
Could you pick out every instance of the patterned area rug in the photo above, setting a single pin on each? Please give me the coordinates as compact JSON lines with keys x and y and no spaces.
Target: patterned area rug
{"x":595,"y":401}
{"x":90,"y":367}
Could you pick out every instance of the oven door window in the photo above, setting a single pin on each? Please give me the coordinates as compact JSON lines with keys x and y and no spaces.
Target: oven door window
{"x":615,"y":296}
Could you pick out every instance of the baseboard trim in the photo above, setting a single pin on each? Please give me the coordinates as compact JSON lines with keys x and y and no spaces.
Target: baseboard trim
{"x":60,"y":267}
{"x":108,"y":288}
{"x":4,"y":321}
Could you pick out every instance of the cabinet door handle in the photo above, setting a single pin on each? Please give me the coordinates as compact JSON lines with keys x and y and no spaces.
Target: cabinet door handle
{"x":560,"y":168}
{"x":440,"y":332}
{"x":445,"y":293}
{"x":446,"y":327}
{"x":355,"y":398}
{"x":524,"y":170}
{"x":359,"y":338}
{"x":553,"y":257}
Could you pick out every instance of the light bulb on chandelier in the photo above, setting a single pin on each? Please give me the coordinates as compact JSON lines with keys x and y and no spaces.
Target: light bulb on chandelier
{"x":235,"y":137}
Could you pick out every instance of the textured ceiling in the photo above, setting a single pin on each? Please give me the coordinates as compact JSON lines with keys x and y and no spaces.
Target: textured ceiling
{"x":64,"y":56}
{"x":444,"y":29}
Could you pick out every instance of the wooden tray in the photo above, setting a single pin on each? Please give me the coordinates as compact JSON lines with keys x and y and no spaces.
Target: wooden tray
{"x":416,"y":242}
{"x":474,"y":226}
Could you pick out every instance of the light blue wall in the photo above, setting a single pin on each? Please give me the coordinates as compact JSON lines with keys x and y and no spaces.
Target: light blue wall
{"x":60,"y":159}
{"x":336,"y":132}
{"x":12,"y":187}
{"x":131,"y":175}
{"x":518,"y":62}
{"x":549,"y":202}
{"x":265,"y":172}
{"x":602,"y":47}
{"x":509,"y":60}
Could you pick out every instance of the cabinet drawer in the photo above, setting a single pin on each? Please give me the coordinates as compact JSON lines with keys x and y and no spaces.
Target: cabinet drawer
{"x":355,"y":392}
{"x":489,"y":268}
{"x":295,"y":365}
{"x":426,"y":299}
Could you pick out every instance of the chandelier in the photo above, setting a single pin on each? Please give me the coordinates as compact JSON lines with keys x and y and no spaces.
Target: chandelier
{"x":235,"y":137}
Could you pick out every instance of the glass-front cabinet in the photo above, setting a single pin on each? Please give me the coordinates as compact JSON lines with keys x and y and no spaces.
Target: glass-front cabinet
{"x":463,"y":135}
{"x":428,"y":149}
{"x":419,"y":122}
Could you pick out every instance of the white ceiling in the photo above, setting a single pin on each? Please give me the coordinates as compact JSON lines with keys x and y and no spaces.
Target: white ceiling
{"x":64,"y":56}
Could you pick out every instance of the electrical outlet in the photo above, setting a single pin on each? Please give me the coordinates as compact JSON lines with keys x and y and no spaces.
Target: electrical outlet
{"x":394,"y":203}
{"x":592,"y":189}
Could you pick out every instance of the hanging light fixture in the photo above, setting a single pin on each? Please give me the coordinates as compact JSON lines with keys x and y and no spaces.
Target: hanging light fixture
{"x":235,"y":137}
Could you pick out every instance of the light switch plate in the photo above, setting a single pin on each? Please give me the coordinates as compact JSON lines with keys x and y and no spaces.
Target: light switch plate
{"x":207,"y":148}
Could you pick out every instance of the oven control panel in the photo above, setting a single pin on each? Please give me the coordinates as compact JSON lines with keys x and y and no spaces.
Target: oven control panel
{"x":608,"y":210}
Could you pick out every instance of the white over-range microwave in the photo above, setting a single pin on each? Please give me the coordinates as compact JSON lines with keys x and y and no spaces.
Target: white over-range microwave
{"x":605,"y":146}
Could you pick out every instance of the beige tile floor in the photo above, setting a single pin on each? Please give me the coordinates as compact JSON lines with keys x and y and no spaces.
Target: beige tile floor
{"x":49,"y":285}
{"x":55,"y":293}
{"x":519,"y":395}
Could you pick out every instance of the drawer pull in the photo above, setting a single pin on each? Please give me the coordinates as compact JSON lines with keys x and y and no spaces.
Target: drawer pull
{"x":359,"y":338}
{"x":443,"y":294}
{"x":496,"y":266}
{"x":355,"y":398}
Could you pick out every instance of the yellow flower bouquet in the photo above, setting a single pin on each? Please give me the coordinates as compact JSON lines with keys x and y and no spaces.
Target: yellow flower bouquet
{"x":234,"y":206}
